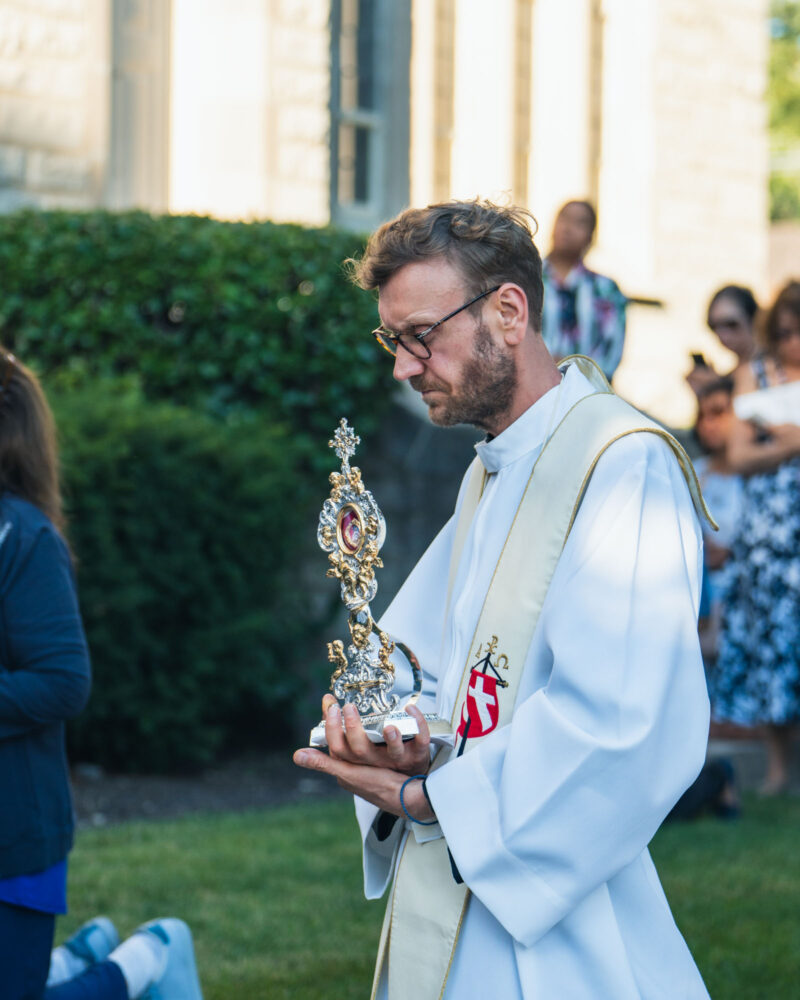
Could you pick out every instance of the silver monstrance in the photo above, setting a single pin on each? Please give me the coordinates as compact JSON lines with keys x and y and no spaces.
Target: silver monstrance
{"x":352,"y":531}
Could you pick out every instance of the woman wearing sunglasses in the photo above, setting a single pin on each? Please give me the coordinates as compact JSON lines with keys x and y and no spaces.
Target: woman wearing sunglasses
{"x":732,"y":314}
{"x":757,"y":676}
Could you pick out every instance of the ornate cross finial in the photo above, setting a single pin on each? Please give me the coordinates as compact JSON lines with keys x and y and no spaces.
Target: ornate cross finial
{"x":345,"y":442}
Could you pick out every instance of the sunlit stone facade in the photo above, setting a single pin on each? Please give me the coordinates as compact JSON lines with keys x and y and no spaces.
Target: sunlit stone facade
{"x":312,"y":110}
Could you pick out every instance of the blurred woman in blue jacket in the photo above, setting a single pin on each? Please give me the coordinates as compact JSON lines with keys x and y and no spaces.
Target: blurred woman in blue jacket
{"x":44,"y":673}
{"x":45,"y":680}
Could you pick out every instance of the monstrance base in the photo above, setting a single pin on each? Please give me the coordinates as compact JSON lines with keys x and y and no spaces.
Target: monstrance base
{"x":406,"y":724}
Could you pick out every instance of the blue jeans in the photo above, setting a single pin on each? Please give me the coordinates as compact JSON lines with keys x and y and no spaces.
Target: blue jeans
{"x":26,"y":939}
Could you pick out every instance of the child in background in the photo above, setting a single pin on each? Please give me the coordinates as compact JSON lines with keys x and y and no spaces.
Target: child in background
{"x":723,"y":490}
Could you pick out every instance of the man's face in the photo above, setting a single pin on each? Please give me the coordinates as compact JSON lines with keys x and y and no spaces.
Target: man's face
{"x":471,"y":376}
{"x":573,"y":230}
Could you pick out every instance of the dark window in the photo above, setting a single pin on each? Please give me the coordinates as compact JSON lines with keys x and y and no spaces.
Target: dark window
{"x":370,"y":53}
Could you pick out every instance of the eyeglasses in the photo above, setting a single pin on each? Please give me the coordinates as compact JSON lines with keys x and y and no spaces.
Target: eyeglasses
{"x":414,"y":343}
{"x":726,"y":325}
{"x":9,"y":370}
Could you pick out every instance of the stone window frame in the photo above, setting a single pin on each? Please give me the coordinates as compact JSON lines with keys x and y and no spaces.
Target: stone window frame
{"x":138,"y":156}
{"x":385,"y":127}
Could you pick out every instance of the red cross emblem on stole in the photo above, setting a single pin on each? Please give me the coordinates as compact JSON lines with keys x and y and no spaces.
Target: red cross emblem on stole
{"x":481,"y":707}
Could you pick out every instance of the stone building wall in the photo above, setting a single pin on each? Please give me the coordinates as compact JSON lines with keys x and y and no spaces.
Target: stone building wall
{"x":784,"y":254}
{"x":658,"y":107}
{"x":250,"y":93}
{"x":710,"y":226}
{"x":54,"y":72}
{"x":673,"y":89}
{"x":693,"y":210}
{"x":298,"y":112}
{"x":179,"y":105}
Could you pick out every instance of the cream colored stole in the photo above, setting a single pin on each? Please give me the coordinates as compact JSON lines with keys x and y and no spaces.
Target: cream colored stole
{"x":426,"y":905}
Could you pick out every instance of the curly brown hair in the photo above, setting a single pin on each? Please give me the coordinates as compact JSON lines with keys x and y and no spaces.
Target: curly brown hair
{"x":788,"y":300}
{"x":489,"y":244}
{"x":28,"y":449}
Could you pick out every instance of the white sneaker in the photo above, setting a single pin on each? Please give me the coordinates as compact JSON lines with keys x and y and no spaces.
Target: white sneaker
{"x":94,"y":941}
{"x":179,"y":981}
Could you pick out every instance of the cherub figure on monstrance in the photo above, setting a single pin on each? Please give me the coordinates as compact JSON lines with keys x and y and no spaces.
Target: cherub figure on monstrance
{"x":352,"y":530}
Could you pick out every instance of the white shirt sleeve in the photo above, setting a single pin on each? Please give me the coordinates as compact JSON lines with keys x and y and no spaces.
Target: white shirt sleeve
{"x":612,"y":716}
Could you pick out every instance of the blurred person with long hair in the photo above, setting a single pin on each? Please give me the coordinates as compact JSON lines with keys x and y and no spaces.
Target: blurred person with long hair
{"x":732,"y":315}
{"x":44,"y":681}
{"x":584,"y":312}
{"x":757,"y":676}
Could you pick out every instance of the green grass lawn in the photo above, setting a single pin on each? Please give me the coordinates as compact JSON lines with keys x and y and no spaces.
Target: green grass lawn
{"x":274,"y":897}
{"x":735,"y":892}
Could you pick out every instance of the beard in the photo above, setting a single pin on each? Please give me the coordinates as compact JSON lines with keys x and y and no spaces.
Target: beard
{"x":485,"y":391}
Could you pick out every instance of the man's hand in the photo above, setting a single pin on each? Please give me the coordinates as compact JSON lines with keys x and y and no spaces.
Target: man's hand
{"x":376,"y":773}
{"x":700,"y":376}
{"x":352,"y":744}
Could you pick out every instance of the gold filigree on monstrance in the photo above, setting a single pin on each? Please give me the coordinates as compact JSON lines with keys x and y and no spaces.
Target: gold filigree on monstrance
{"x":352,"y":531}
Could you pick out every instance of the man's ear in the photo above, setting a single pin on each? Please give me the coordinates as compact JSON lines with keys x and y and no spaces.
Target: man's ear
{"x":512,"y":308}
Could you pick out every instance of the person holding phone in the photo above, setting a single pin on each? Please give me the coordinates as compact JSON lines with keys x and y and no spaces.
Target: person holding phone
{"x":757,"y":676}
{"x":732,"y":314}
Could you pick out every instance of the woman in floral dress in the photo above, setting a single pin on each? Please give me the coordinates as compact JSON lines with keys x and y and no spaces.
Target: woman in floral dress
{"x":757,"y":675}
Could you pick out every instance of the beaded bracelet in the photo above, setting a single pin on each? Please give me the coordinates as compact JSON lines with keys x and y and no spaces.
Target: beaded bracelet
{"x":421,"y":822}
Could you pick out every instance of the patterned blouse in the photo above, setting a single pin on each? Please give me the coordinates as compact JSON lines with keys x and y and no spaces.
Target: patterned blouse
{"x":584,"y":314}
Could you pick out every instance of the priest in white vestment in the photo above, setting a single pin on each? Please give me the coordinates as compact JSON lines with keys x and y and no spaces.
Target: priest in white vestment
{"x":547,"y":820}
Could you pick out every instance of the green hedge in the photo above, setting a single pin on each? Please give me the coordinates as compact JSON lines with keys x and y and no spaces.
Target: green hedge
{"x":184,"y":530}
{"x":194,"y":481}
{"x":218,"y":315}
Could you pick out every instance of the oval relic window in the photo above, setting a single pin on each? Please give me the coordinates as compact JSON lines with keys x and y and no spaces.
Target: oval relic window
{"x":350,"y":529}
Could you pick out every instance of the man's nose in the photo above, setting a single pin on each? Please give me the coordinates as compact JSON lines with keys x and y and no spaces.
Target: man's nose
{"x":406,"y":364}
